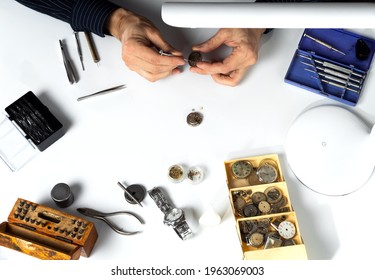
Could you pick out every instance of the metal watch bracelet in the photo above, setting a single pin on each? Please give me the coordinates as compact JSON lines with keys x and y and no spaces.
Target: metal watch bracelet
{"x":161,"y":201}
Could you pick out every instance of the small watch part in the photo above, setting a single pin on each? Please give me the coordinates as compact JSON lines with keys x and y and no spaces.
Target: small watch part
{"x":137,"y":191}
{"x":264,"y":207}
{"x":250,"y":210}
{"x":257,"y":197}
{"x":62,"y":195}
{"x":239,"y":203}
{"x":273,"y":240}
{"x":241,"y":169}
{"x":288,"y":242}
{"x":286,"y":229}
{"x":194,"y":57}
{"x":273,"y":194}
{"x":267,"y":172}
{"x":256,"y":239}
{"x":195,"y":175}
{"x":194,"y":118}
{"x":176,"y":173}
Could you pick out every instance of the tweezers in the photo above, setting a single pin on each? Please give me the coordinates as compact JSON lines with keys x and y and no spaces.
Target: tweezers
{"x":68,"y":65}
{"x":101,"y":92}
{"x":103,"y":216}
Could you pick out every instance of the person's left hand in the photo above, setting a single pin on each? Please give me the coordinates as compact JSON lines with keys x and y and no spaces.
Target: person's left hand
{"x":245,"y":44}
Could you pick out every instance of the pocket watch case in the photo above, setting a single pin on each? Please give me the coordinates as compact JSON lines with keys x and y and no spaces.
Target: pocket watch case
{"x":257,"y":206}
{"x":333,"y":63}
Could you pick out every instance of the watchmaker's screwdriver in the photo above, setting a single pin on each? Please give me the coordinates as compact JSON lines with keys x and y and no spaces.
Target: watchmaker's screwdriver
{"x":335,"y":84}
{"x":92,"y":48}
{"x":333,"y":72}
{"x":333,"y":78}
{"x":333,"y":66}
{"x":323,"y":43}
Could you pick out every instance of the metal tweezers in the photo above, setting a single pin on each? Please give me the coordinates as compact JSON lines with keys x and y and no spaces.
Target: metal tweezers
{"x":102,"y":92}
{"x":103,"y":216}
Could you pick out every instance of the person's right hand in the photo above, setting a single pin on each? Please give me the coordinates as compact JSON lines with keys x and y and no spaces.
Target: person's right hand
{"x":140,"y":41}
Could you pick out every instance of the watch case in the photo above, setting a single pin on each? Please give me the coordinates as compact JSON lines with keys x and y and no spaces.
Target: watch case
{"x":26,"y":128}
{"x":286,"y":211}
{"x":309,"y":50}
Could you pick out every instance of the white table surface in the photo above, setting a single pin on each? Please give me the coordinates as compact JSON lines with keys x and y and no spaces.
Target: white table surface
{"x":136,"y":134}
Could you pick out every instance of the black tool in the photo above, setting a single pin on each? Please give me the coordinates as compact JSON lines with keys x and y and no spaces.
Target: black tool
{"x":362,"y":50}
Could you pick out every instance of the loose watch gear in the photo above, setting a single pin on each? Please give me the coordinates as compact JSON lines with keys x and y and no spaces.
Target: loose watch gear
{"x":264,"y":207}
{"x":257,"y":197}
{"x":241,"y":169}
{"x":255,"y":239}
{"x":273,"y":194}
{"x":174,"y":217}
{"x":267,"y":171}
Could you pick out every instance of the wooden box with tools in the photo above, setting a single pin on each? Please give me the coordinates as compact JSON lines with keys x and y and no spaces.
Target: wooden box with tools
{"x":266,"y":223}
{"x":46,"y":233}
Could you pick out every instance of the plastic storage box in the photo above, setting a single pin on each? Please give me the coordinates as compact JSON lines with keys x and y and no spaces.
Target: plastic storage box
{"x":333,"y":63}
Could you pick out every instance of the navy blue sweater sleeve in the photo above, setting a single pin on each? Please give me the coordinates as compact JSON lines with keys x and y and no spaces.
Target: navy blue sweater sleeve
{"x":82,"y":15}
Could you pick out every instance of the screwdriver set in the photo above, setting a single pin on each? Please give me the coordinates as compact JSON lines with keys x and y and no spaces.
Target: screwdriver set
{"x":333,"y":63}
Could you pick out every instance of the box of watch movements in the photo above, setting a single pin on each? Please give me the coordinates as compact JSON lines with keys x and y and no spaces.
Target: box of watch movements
{"x":266,"y":223}
{"x":333,"y":63}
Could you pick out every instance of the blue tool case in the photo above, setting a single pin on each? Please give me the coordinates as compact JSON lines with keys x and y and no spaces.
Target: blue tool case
{"x":333,"y":63}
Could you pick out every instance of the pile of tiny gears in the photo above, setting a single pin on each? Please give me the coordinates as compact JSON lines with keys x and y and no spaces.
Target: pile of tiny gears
{"x":176,"y":172}
{"x":194,"y":57}
{"x":249,"y":204}
{"x":255,"y":233}
{"x":194,"y":118}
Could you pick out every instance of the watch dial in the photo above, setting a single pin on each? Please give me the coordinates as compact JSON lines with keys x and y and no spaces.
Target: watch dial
{"x":241,"y":169}
{"x":267,"y":173}
{"x":287,"y":229}
{"x":174,"y":214}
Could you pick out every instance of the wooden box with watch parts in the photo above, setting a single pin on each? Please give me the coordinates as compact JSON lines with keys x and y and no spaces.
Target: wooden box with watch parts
{"x":46,"y":233}
{"x":266,"y":223}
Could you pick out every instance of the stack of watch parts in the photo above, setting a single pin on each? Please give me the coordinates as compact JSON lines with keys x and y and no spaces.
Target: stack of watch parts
{"x":268,"y":233}
{"x":251,"y":204}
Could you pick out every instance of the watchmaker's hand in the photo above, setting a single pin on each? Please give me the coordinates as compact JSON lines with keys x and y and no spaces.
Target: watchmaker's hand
{"x":139,"y":38}
{"x":230,"y":71}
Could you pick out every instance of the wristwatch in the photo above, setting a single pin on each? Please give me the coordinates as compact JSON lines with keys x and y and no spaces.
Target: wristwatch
{"x":174,"y":217}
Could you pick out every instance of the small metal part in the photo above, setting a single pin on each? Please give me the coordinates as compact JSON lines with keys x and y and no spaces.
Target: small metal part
{"x":273,"y":241}
{"x":264,"y":207}
{"x":62,"y":195}
{"x":93,"y":51}
{"x":195,"y":175}
{"x":255,"y":239}
{"x":257,"y":197}
{"x":273,"y":194}
{"x":323,"y":43}
{"x":194,"y":118}
{"x":68,"y":65}
{"x":362,"y":50}
{"x":250,"y":210}
{"x":194,"y":57}
{"x":102,"y":92}
{"x":79,"y":49}
{"x":134,"y":194}
{"x":176,"y":173}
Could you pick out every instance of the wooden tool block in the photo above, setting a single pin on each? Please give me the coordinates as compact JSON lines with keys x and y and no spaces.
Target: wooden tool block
{"x":46,"y":233}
